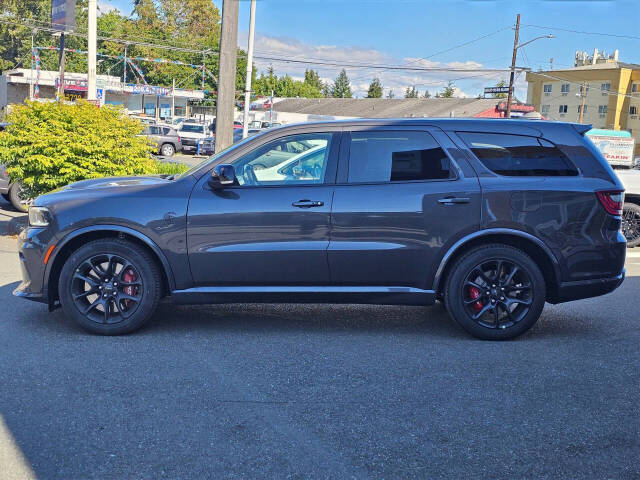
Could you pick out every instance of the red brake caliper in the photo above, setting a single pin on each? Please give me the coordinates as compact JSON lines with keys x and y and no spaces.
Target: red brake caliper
{"x":475,"y":293}
{"x":129,"y":276}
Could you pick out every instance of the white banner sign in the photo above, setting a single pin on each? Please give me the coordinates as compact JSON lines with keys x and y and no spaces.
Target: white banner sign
{"x":617,"y":150}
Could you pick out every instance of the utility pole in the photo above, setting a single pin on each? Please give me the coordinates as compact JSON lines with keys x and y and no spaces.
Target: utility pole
{"x":60,"y":93}
{"x":583,"y":94}
{"x":247,"y":87}
{"x":92,"y":41}
{"x":124,"y":64}
{"x":513,"y":67}
{"x":173,"y":98}
{"x":33,"y":57}
{"x":227,"y":75}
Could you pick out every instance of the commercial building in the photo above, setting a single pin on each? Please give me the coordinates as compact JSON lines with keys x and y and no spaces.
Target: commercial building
{"x":295,"y":110}
{"x":609,"y":88}
{"x":20,"y":84}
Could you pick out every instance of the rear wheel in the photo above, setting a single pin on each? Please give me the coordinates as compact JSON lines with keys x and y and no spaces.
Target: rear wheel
{"x":110,"y":286}
{"x":495,"y":292}
{"x":167,"y":150}
{"x":16,"y":197}
{"x":631,"y":224}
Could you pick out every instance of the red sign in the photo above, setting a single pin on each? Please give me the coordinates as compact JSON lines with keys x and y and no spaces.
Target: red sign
{"x":515,"y":107}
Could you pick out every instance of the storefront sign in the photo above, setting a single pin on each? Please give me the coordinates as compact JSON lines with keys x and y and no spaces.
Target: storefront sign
{"x":515,"y":107}
{"x":63,"y":15}
{"x":488,"y":90}
{"x":150,"y":90}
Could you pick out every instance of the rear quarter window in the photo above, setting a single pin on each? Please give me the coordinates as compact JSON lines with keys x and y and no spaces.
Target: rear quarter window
{"x":518,"y":155}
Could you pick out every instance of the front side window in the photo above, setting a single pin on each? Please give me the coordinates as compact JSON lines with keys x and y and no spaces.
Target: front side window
{"x":395,"y":156}
{"x":292,"y":160}
{"x":191,"y":128}
{"x":518,"y":155}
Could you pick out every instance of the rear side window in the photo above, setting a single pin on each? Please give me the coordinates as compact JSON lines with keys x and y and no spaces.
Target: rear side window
{"x":396,"y":156}
{"x":519,"y":155}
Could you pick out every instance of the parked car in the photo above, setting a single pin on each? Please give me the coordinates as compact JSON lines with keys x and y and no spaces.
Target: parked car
{"x":263,"y":124}
{"x":144,"y":120}
{"x":491,"y":217}
{"x":630,"y":179}
{"x":166,"y":139}
{"x":190,"y":133}
{"x":11,"y":191}
{"x":208,"y":145}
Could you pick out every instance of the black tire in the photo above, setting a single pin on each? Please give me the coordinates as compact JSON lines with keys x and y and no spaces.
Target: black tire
{"x":167,"y":150}
{"x":15,"y":198}
{"x":631,"y":224}
{"x":130,"y":315}
{"x":5,"y":196}
{"x":522,"y":294}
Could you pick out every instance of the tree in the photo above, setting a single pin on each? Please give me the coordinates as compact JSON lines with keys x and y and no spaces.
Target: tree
{"x":284,"y":86}
{"x":49,"y":145}
{"x":447,"y":92}
{"x":390,"y":94}
{"x":341,"y":86}
{"x":426,"y":94}
{"x":312,"y":79}
{"x":375,"y":89}
{"x":501,"y":83}
{"x":411,"y":92}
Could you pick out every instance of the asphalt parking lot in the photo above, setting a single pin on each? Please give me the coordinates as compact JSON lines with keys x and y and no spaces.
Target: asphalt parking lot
{"x":316,"y":391}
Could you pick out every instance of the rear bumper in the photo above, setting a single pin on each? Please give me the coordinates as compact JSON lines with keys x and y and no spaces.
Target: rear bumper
{"x":569,"y":291}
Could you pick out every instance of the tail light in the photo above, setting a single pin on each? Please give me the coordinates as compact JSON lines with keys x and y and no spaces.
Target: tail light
{"x":612,"y":201}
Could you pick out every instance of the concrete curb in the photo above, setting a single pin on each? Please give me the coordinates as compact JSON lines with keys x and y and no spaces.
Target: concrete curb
{"x":16,"y":225}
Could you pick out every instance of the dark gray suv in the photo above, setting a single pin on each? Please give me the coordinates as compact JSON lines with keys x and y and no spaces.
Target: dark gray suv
{"x":491,"y":217}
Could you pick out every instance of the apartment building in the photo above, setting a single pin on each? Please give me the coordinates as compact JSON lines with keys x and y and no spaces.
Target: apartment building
{"x":608,"y":88}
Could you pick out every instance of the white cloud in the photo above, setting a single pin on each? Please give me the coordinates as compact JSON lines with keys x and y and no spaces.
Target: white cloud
{"x":105,"y":6}
{"x":467,"y":84}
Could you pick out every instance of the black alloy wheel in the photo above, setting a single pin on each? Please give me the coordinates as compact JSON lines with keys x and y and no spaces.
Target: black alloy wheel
{"x":107,"y":288}
{"x":631,"y":224}
{"x":110,"y":286}
{"x":495,"y":292}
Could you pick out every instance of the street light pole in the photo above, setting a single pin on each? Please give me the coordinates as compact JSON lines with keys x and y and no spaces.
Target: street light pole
{"x":247,"y":88}
{"x":92,"y":39}
{"x":513,"y":67}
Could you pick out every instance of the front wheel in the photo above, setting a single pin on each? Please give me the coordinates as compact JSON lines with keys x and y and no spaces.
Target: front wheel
{"x":631,"y":224}
{"x":495,"y":292}
{"x":110,"y":286}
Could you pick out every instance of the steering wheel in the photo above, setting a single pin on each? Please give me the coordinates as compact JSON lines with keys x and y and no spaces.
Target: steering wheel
{"x":249,"y":175}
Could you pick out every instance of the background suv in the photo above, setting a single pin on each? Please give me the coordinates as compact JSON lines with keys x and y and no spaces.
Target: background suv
{"x":492,"y":217}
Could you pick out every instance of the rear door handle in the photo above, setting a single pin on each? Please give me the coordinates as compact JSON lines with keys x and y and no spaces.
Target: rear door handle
{"x":307,"y":204}
{"x":454,"y":200}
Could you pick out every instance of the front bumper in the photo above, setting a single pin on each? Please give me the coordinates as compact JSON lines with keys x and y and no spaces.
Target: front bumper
{"x":31,"y":252}
{"x":569,"y":291}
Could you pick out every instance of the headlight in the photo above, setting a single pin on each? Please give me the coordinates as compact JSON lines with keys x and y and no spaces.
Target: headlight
{"x":39,"y":216}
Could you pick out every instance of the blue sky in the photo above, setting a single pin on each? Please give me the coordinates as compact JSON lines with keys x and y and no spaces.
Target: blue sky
{"x":401,"y":31}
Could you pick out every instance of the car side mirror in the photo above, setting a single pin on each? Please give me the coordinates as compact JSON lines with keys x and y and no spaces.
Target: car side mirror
{"x":223,"y":174}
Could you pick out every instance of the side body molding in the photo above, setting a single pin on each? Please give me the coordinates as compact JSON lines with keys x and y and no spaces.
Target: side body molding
{"x":114,"y":228}
{"x":492,"y":231}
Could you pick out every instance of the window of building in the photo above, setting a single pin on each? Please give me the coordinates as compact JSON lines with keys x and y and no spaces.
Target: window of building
{"x":396,"y":156}
{"x":545,"y":109}
{"x":563,"y":109}
{"x":547,"y":88}
{"x":633,"y":110}
{"x":584,"y":89}
{"x":519,"y":155}
{"x":564,"y":88}
{"x":605,"y":88}
{"x":602,"y":109}
{"x":635,"y":87}
{"x":580,"y":108}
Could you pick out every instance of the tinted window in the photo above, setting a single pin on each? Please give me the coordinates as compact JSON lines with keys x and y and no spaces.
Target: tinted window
{"x":189,"y":127}
{"x":518,"y":155}
{"x":396,"y":156}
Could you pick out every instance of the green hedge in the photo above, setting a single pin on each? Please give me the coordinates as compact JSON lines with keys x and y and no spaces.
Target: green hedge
{"x":48,"y":145}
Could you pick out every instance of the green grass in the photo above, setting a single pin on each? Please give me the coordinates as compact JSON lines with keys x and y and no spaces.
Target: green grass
{"x":170,"y":168}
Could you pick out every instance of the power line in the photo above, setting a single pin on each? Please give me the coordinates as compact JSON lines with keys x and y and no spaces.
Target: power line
{"x":632,"y":37}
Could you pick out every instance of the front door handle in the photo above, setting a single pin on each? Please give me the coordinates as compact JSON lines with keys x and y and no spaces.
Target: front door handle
{"x":307,"y":204}
{"x":453,"y":200}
